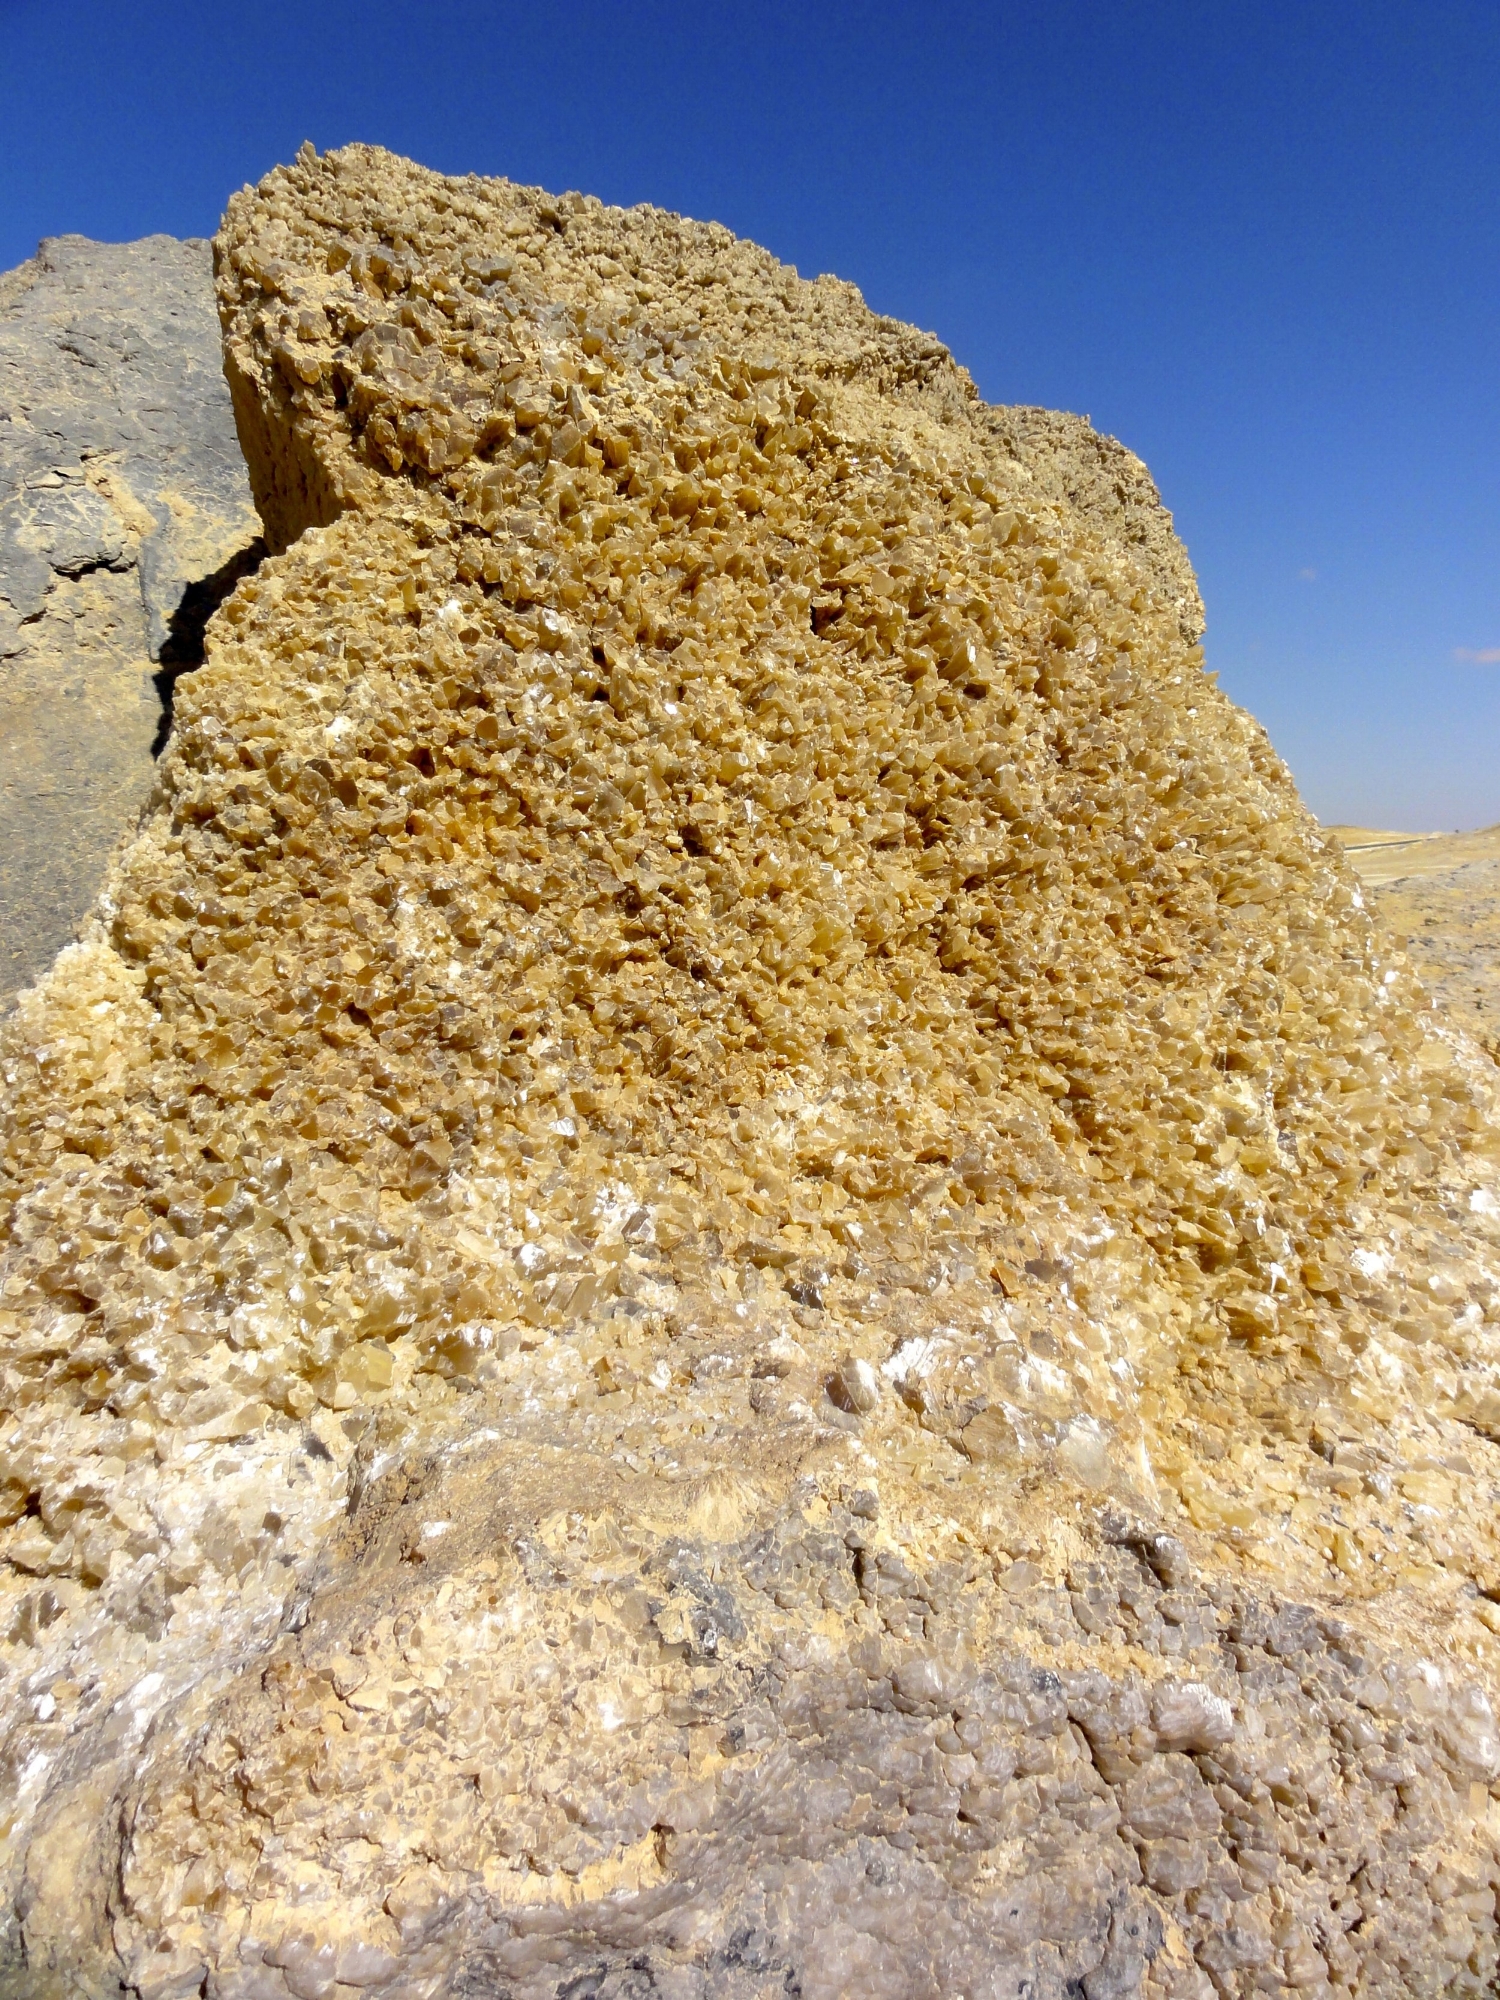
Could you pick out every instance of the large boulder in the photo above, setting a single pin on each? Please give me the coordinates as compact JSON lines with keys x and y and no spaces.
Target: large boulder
{"x":125,"y":518}
{"x":732,"y":1268}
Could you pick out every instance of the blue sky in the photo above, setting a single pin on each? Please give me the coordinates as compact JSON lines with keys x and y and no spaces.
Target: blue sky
{"x":1258,"y":243}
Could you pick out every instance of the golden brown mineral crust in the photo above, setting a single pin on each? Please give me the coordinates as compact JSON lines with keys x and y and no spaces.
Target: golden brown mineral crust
{"x":718,"y":1033}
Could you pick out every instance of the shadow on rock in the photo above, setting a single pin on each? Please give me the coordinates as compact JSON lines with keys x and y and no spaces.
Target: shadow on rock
{"x":183,"y":651}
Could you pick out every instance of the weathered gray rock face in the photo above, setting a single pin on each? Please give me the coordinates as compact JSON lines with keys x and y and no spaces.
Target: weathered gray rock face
{"x":122,"y":495}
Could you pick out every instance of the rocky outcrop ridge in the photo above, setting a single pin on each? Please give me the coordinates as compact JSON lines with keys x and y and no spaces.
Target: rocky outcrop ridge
{"x":124,"y":518}
{"x":732,"y":1268}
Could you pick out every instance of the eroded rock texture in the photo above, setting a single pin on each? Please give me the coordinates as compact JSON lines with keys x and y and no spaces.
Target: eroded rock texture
{"x":732,"y":1269}
{"x":124,"y":517}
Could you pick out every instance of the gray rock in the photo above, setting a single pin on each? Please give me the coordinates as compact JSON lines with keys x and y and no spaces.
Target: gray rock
{"x":124,"y":513}
{"x":51,"y":526}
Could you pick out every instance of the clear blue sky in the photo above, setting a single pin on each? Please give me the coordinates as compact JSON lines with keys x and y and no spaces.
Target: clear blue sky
{"x":1260,"y":243}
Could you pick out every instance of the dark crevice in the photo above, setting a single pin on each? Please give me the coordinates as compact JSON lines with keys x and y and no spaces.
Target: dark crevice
{"x":183,"y":651}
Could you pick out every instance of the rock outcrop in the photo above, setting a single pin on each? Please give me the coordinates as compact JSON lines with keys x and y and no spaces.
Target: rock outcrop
{"x":125,"y":517}
{"x":732,"y":1268}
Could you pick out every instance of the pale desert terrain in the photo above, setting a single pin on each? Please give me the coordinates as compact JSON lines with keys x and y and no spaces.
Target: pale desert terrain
{"x":1440,"y":893}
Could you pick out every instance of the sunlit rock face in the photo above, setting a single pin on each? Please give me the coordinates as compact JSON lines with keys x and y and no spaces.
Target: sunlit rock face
{"x":731,"y":1268}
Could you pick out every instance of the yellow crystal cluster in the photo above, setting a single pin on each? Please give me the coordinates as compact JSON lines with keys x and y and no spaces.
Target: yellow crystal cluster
{"x":703,"y":892}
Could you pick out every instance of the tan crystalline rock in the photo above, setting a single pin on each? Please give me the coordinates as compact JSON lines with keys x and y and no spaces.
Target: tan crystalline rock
{"x":732,"y":1267}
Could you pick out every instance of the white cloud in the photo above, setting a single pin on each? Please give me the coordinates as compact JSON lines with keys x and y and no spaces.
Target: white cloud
{"x":1478,"y":656}
{"x":1308,"y":575}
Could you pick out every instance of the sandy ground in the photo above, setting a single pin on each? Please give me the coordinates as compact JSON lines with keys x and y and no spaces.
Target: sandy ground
{"x":1440,"y":893}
